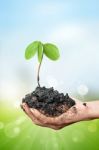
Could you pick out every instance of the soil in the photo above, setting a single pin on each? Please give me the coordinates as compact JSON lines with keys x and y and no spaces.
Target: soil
{"x":85,"y":104}
{"x":49,"y":101}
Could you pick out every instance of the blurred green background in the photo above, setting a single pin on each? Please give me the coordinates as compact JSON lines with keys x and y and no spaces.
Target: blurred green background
{"x":74,"y":27}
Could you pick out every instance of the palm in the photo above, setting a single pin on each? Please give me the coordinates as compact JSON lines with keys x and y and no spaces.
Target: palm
{"x":74,"y":114}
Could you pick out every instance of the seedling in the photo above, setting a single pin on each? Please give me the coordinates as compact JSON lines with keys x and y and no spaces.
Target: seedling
{"x":47,"y":100}
{"x":47,"y":49}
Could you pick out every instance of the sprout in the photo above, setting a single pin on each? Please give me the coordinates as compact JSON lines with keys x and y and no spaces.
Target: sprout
{"x":47,"y":49}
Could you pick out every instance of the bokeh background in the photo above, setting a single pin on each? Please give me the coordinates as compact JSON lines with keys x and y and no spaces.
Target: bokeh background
{"x":74,"y":27}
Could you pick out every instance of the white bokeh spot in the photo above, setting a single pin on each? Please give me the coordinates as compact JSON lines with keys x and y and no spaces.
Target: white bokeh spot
{"x":82,"y":90}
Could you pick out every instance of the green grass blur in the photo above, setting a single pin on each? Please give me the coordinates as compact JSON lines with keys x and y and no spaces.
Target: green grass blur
{"x":17,"y":132}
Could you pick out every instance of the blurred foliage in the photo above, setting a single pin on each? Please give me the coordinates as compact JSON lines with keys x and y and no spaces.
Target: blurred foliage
{"x":17,"y":132}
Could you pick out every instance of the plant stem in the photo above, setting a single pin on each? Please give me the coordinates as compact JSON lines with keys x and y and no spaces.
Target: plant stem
{"x":38,"y":76}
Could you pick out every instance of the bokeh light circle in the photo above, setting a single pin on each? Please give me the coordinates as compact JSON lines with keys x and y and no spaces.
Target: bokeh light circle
{"x":20,"y":120}
{"x":82,"y":90}
{"x":77,"y":136}
{"x":1,"y":125}
{"x":11,"y":130}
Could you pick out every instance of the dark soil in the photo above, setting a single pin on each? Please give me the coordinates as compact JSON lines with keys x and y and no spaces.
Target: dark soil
{"x":49,"y":101}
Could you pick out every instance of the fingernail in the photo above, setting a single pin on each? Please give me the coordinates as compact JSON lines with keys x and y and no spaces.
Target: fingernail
{"x":24,"y":104}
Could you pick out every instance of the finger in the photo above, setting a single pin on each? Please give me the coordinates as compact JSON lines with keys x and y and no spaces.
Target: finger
{"x":68,"y":117}
{"x":72,"y":115}
{"x":29,"y":113}
{"x":22,"y":107}
{"x":46,"y":121}
{"x":55,"y":127}
{"x":43,"y":119}
{"x":26,"y":109}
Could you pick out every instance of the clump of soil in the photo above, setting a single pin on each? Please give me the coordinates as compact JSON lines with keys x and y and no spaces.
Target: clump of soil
{"x":49,"y":101}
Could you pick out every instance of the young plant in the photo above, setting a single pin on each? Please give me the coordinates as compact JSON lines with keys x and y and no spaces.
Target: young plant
{"x":47,"y":49}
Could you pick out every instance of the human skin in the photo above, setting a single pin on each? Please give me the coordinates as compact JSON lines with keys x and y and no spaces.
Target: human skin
{"x":79,"y":112}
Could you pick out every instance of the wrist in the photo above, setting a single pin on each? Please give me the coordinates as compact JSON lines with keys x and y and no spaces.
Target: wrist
{"x":93,"y":109}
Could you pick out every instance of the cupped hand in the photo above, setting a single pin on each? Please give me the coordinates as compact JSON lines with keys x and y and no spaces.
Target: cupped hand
{"x":78,"y":112}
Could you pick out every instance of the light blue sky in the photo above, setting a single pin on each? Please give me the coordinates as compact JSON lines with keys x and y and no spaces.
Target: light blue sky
{"x":15,"y":15}
{"x":72,"y":25}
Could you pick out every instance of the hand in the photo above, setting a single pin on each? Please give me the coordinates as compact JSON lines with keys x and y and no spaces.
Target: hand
{"x":79,"y":112}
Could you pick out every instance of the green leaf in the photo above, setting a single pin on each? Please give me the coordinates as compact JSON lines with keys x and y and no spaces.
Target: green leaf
{"x":31,"y":49}
{"x":40,"y":52}
{"x":51,"y":51}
